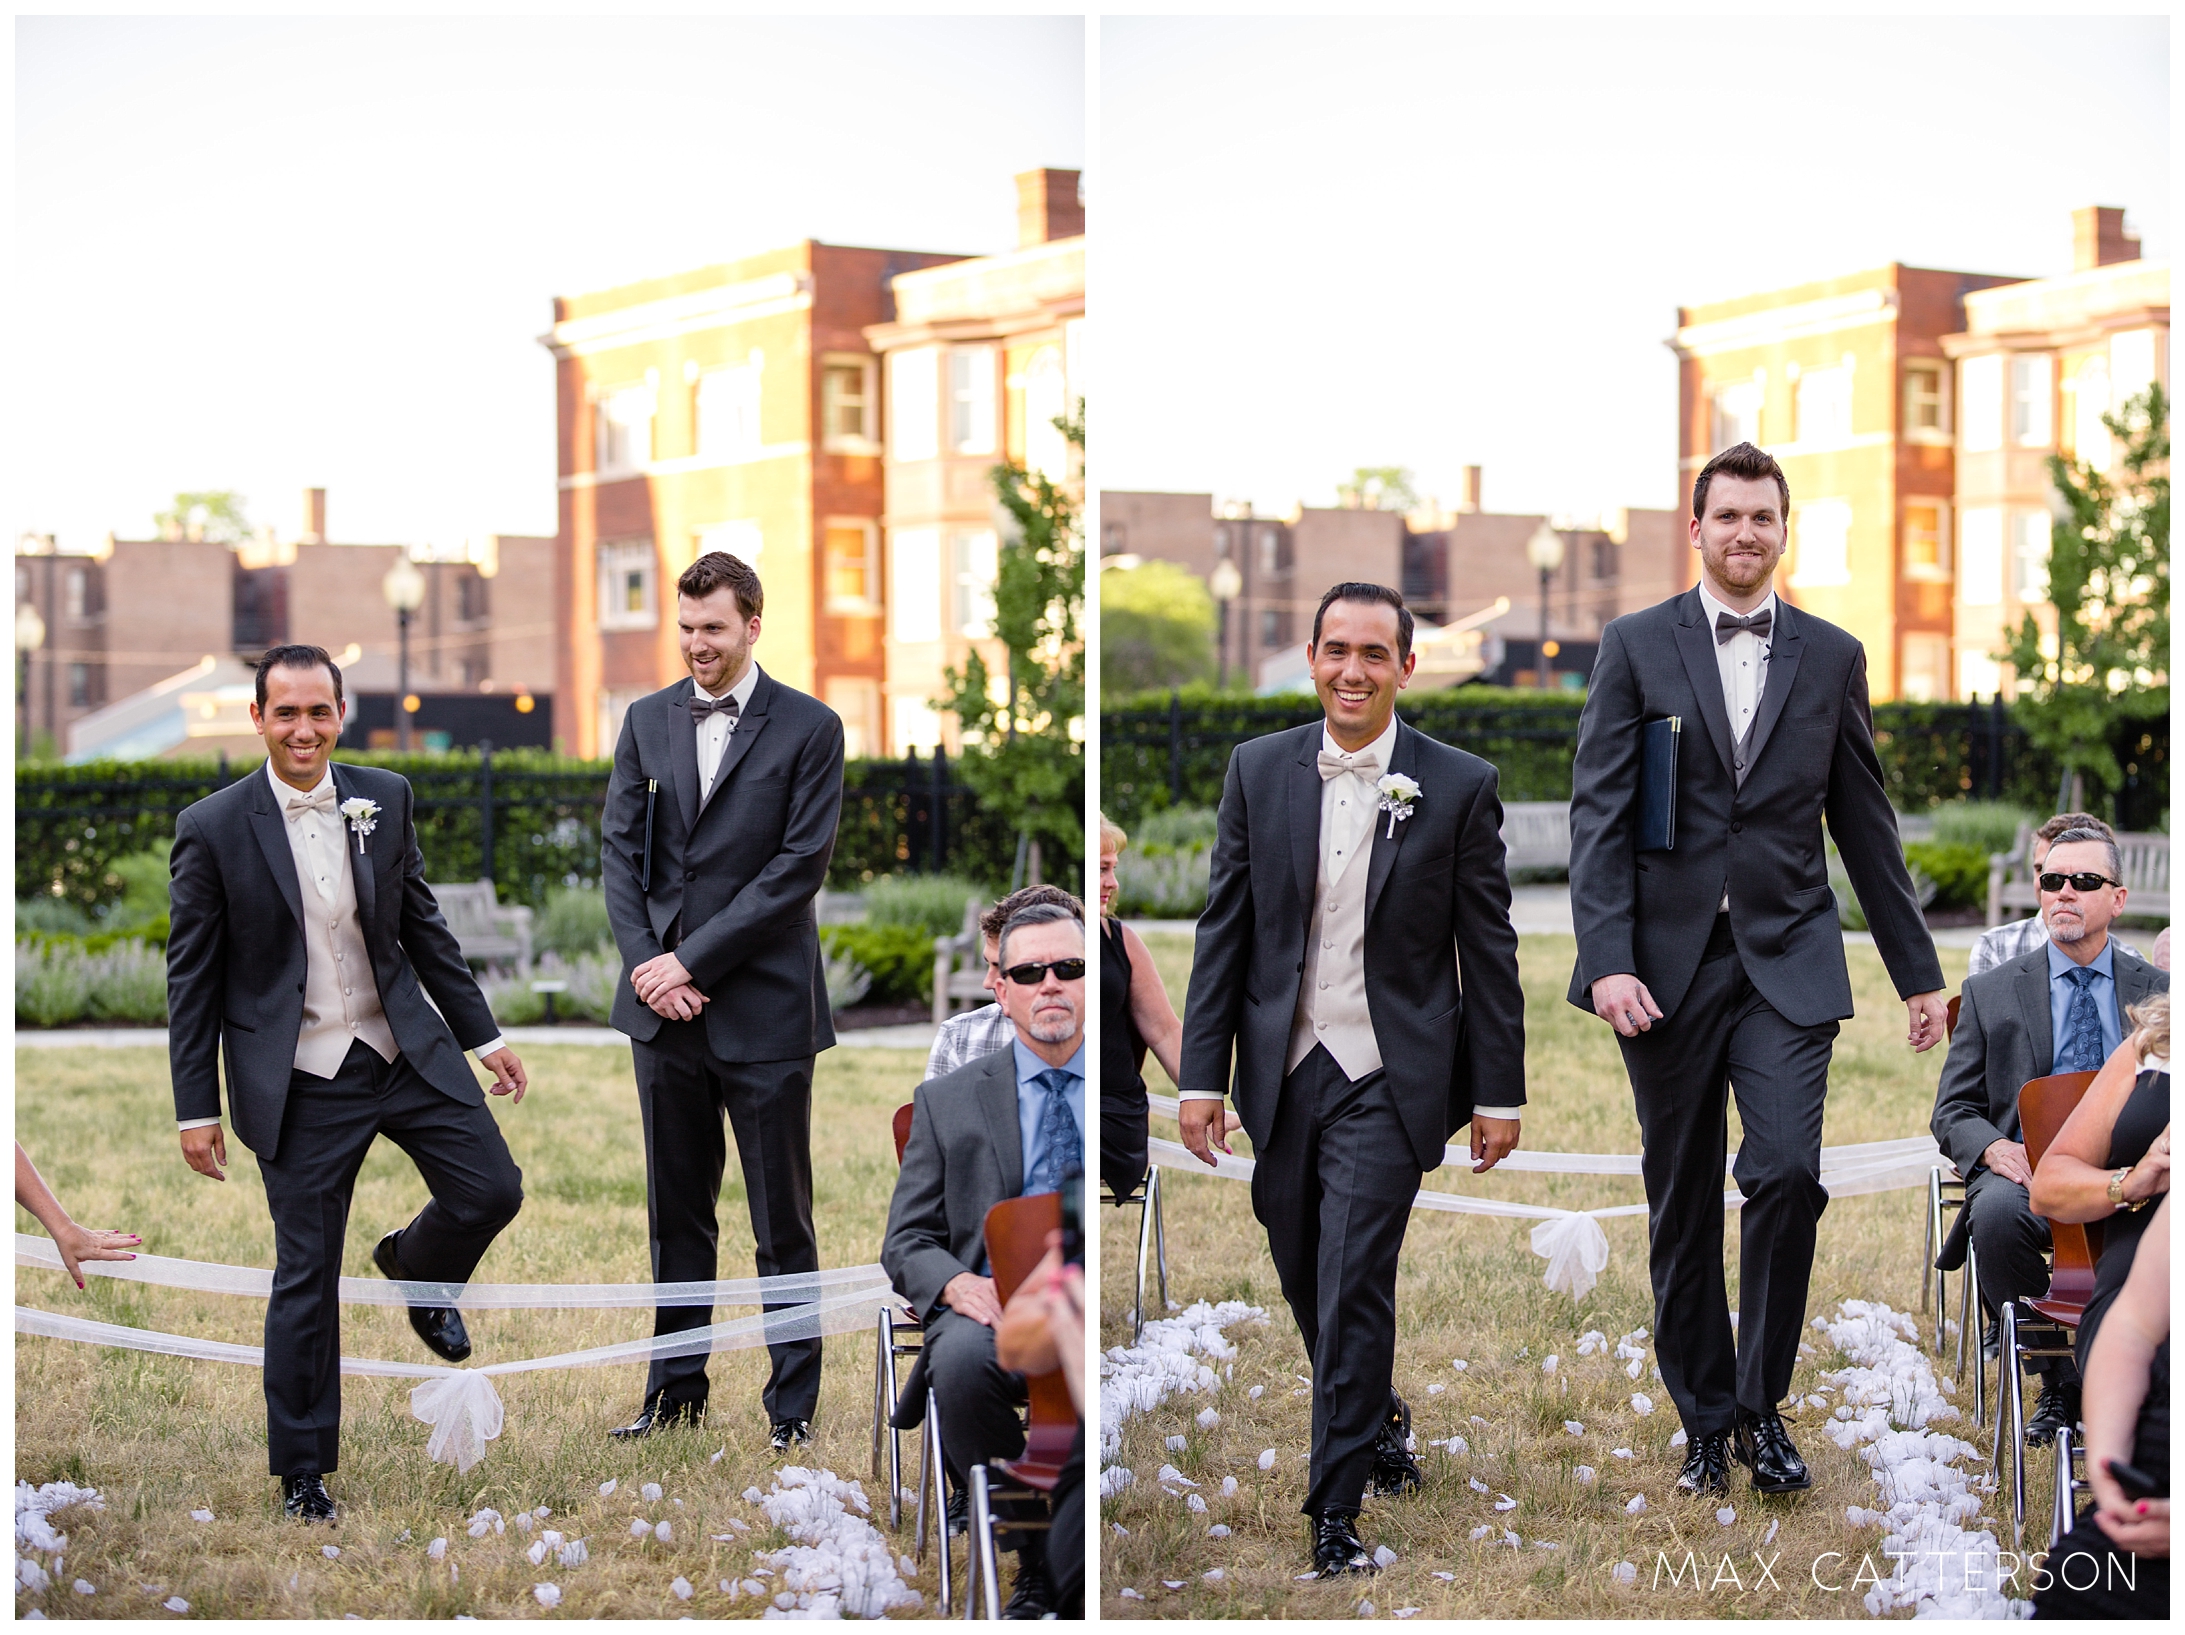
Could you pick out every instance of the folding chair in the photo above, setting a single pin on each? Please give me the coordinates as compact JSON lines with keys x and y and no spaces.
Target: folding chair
{"x":2043,"y":1105}
{"x":1946,"y":1192}
{"x":1016,"y":1241}
{"x":1152,"y":1241}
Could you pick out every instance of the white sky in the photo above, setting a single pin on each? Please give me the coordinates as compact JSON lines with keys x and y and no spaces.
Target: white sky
{"x":1436,"y":242}
{"x":277,"y":253}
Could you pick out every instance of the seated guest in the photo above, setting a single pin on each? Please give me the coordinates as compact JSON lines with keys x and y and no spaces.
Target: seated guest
{"x":2055,"y":1009}
{"x":1005,"y":1126}
{"x":2111,"y":1160}
{"x":2008,"y":941}
{"x":967,"y":1036}
{"x":2087,"y":1574}
{"x":1135,"y":1016}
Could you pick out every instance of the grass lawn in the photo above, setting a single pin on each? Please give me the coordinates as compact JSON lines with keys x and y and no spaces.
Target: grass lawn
{"x":161,"y":1436}
{"x":1471,"y":1288}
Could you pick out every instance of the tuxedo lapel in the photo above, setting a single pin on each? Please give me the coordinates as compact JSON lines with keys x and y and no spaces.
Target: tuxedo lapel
{"x":2135,"y":979}
{"x":1696,"y":646}
{"x":359,"y":854}
{"x":1304,"y":794}
{"x":270,"y":825}
{"x":2031,"y":987}
{"x":1404,"y":759}
{"x":748,"y":724}
{"x":998,"y":1100}
{"x":683,"y":752}
{"x":1784,"y":647}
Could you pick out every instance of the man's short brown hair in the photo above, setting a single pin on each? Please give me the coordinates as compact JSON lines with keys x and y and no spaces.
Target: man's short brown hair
{"x":716,"y":569}
{"x":991,"y":922}
{"x":1740,"y":460}
{"x":1361,"y":590}
{"x":2074,"y":820}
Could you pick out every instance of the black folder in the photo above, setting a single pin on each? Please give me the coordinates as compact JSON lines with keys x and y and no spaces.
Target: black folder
{"x":644,"y":862}
{"x":1658,"y":784}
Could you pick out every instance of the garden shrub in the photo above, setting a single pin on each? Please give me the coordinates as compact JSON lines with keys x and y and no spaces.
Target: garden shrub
{"x":127,"y":983}
{"x":573,"y":922}
{"x":1960,"y":872}
{"x":900,"y":958}
{"x":51,"y":985}
{"x":1986,"y":825}
{"x":932,"y":903}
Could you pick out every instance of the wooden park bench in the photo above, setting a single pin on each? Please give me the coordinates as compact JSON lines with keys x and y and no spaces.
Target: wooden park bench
{"x":959,"y":967}
{"x":1536,"y":834}
{"x":488,"y":933}
{"x":2146,"y":866}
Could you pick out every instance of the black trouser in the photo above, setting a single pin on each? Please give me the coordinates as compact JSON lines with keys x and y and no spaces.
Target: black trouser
{"x":1725,"y":1037}
{"x":2087,"y":1576}
{"x":326,"y":1130}
{"x":978,"y":1399}
{"x":2011,"y":1244}
{"x":1334,"y":1187}
{"x":1123,"y":1140}
{"x":1066,"y":1537}
{"x":682,"y":1092}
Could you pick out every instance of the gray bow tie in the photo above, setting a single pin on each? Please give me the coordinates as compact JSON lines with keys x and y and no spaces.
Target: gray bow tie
{"x":325,"y":799}
{"x":1334,"y":766}
{"x":1729,"y":624}
{"x":702,"y":706}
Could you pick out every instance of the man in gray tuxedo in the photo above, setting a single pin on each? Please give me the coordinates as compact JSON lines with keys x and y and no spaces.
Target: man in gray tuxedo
{"x":719,"y":824}
{"x":1008,"y":1125}
{"x":1719,"y":961}
{"x":2057,"y":1009}
{"x":1357,"y":861}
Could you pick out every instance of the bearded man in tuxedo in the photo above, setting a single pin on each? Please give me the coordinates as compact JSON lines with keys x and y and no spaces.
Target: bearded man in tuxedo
{"x":1356,"y":861}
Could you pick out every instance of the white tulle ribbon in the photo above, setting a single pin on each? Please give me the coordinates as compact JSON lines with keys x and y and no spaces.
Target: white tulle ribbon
{"x":1576,"y":1250}
{"x":464,"y":1412}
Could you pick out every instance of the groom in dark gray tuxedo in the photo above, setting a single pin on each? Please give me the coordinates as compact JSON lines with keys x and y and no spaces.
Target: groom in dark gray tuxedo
{"x":1357,"y":860}
{"x":719,"y":824}
{"x":1719,"y":961}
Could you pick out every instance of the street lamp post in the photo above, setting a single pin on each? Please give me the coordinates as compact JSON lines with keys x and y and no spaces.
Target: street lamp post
{"x":1545,"y":552}
{"x":30,"y":635}
{"x":404,"y":588}
{"x":1226,"y":584}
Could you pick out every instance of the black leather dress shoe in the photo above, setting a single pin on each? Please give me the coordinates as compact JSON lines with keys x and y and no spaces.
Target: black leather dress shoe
{"x":788,"y":1433}
{"x":440,"y":1327}
{"x":2057,"y":1410}
{"x":1395,"y":1471}
{"x":304,"y":1496}
{"x":657,"y":1415}
{"x":1337,"y":1548}
{"x":1763,"y":1446}
{"x":959,"y":1512}
{"x":1706,"y":1465}
{"x":1033,"y":1596}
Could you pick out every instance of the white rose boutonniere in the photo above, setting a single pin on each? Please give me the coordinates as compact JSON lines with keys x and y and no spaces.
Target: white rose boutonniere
{"x":1398,"y":795}
{"x":363,"y":816}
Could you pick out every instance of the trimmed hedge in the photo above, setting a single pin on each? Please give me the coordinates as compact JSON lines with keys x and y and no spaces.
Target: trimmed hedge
{"x":899,"y":957}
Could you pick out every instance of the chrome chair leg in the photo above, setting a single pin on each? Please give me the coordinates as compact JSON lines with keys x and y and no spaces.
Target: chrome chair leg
{"x":2011,"y":1390}
{"x":1160,"y":1233}
{"x":1972,"y":1319}
{"x":985,"y":1564}
{"x":1931,"y":1276}
{"x":933,"y":1492}
{"x":1146,"y":1207}
{"x":2063,"y":1511}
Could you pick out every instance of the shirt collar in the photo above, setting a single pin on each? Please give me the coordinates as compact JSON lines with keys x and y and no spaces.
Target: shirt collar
{"x":2102,"y":964}
{"x":281,"y":791}
{"x":746,"y":685}
{"x":1030,"y":1067}
{"x":1711,"y":607}
{"x":1381,"y":749}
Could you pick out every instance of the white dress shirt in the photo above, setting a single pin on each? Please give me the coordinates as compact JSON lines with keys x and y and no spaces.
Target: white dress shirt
{"x":341,"y":995}
{"x":714,"y":731}
{"x":1742,"y":662}
{"x":1347,"y":809}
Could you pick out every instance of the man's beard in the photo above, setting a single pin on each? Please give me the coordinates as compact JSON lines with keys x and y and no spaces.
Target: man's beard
{"x":1052,"y":1026}
{"x":2067,"y":930}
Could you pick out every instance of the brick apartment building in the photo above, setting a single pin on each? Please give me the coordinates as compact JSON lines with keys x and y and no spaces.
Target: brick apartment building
{"x":980,"y":358}
{"x":2037,"y":365}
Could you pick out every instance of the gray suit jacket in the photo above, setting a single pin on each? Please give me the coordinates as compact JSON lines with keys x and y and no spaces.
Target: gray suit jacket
{"x":732,"y":877}
{"x":2003,"y":1039}
{"x":236,"y":961}
{"x":964,"y":1156}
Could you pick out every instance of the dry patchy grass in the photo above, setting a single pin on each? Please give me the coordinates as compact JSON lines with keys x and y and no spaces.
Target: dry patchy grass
{"x":1471,"y":1288}
{"x":160,"y":1436}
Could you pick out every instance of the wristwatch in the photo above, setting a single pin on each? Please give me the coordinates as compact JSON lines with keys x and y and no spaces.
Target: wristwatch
{"x":2116,"y":1192}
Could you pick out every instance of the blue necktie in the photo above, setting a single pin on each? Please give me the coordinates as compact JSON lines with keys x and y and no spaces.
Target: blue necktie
{"x":1060,"y":1147}
{"x":2080,"y":1050}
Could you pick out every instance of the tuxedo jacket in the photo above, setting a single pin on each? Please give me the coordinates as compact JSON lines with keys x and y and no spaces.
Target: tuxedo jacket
{"x":236,"y":960}
{"x":2004,"y":1038}
{"x":1812,"y":756}
{"x":1435,"y":890}
{"x":733,"y":877}
{"x":964,"y":1156}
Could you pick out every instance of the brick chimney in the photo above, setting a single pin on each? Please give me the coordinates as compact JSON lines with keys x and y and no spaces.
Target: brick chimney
{"x":314,"y":516}
{"x":1048,"y":207}
{"x":1469,"y":500}
{"x":2098,"y":238}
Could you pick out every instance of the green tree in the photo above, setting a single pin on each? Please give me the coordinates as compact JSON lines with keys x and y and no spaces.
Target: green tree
{"x":1024,"y":755}
{"x":1379,"y":488}
{"x":1157,"y":626}
{"x":216,"y":514}
{"x":2109,"y":580}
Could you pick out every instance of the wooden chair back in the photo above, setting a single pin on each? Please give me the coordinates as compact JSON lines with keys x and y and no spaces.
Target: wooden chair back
{"x":1016,"y":1242}
{"x":2043,"y":1106}
{"x":902,"y":1129}
{"x":1949,"y":1021}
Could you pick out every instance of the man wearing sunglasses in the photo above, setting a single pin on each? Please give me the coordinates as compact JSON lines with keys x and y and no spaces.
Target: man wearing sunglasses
{"x":2056,"y":1009}
{"x":1008,"y":1125}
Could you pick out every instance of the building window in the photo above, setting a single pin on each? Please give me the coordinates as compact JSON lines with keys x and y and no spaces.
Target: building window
{"x":976,"y":557}
{"x":727,"y":410}
{"x":743,"y":539}
{"x":1926,"y":674}
{"x":1823,"y":405}
{"x":914,"y":724}
{"x":914,"y":393}
{"x":1274,"y":628}
{"x":81,"y":594}
{"x":628,"y":585}
{"x":83,"y":687}
{"x":2029,"y":555}
{"x":1926,"y":540}
{"x":471,"y":602}
{"x":1274,"y":552}
{"x":1737,"y":414}
{"x":914,"y":589}
{"x":1046,"y":399}
{"x":1605,"y":563}
{"x":2030,"y":418}
{"x":1821,"y":543}
{"x":846,"y":405}
{"x":623,"y":422}
{"x":971,"y":400}
{"x":852,"y":564}
{"x":1980,"y":383}
{"x":857,"y":700}
{"x":2131,"y":364}
{"x":1980,"y":558}
{"x":2090,"y":401}
{"x":614,"y":704}
{"x":1926,"y":399}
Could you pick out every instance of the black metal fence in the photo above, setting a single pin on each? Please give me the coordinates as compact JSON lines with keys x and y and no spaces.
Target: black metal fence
{"x":528,"y":819}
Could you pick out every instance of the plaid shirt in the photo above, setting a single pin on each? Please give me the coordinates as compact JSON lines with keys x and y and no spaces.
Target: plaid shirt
{"x":968,"y":1037}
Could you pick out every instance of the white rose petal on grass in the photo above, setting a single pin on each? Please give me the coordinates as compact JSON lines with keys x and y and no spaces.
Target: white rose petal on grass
{"x":745,"y":1527}
{"x":753,"y":1587}
{"x":542,"y":1512}
{"x":1208,"y":1419}
{"x":1726,"y":1515}
{"x":84,"y":1586}
{"x":1459,"y":1364}
{"x":1217,"y":1531}
{"x":664,"y":1533}
{"x":718,"y":1455}
{"x":1773,"y":1528}
{"x":547,"y":1595}
{"x":1637,"y":1504}
{"x":1132,"y":1595}
{"x":1634,"y":1368}
{"x":1574,"y":1427}
{"x":523,"y":1521}
{"x":1365,"y":1609}
{"x":650,"y":1492}
{"x":1586,"y":1473}
{"x":1680,"y":1439}
{"x":639,"y":1527}
{"x":1171,"y":1476}
{"x":175,"y":1603}
{"x":1256,"y":1392}
{"x":1504,"y":1502}
{"x":1624,"y":1573}
{"x":551,"y":1539}
{"x":1405,"y":1612}
{"x":1642,"y":1404}
{"x":1475,"y":1484}
{"x":1213,"y":1577}
{"x":1548,"y":1365}
{"x":1623,"y":1453}
{"x":537,"y":1553}
{"x":1447,"y":1578}
{"x":681,"y":1589}
{"x":573,"y":1554}
{"x":608,"y":1486}
{"x":436,"y":1549}
{"x":1172,"y":1583}
{"x":1457,"y":1444}
{"x":1436,"y":1390}
{"x":1480,"y":1532}
{"x":1383,"y":1556}
{"x":332,"y":1552}
{"x":201,"y":1515}
{"x":1267,"y":1459}
{"x":1177,"y":1444}
{"x":1228,"y":1487}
